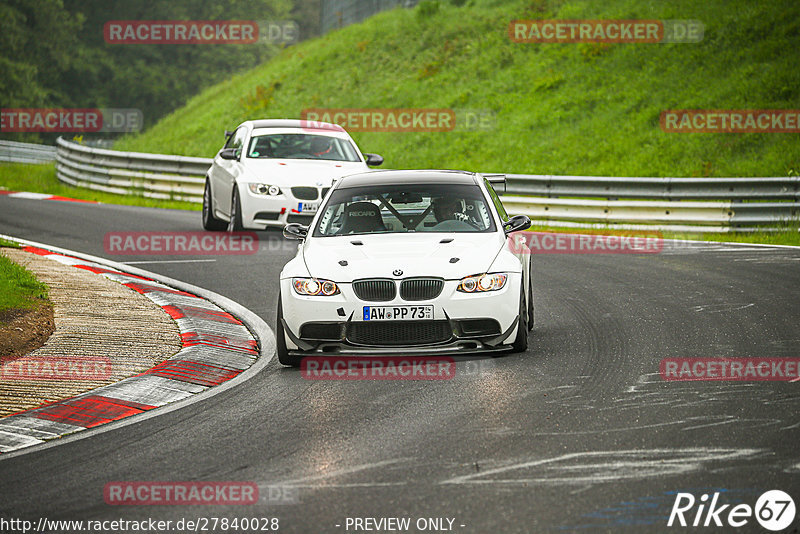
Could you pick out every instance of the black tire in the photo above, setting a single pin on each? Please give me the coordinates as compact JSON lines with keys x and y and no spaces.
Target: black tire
{"x":284,"y":356}
{"x":235,"y":224}
{"x":211,"y":223}
{"x":521,"y":340}
{"x":531,"y":317}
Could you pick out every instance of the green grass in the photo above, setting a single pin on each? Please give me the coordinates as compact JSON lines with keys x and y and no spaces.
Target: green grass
{"x":42,"y":179}
{"x":579,"y":109}
{"x":19,"y":288}
{"x":789,"y":235}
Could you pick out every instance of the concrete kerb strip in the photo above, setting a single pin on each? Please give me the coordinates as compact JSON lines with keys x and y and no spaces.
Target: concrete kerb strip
{"x":41,"y":196}
{"x":104,"y":333}
{"x":209,"y":363}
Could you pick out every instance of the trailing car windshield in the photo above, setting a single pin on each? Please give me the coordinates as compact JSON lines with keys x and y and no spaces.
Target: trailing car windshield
{"x":405,"y":208}
{"x":301,"y":146}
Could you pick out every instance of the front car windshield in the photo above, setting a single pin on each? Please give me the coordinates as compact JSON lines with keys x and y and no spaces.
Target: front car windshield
{"x":301,"y":146}
{"x":405,"y":208}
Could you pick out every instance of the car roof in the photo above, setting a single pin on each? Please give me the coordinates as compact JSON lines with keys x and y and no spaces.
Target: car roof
{"x":407,"y":176}
{"x":295,"y":123}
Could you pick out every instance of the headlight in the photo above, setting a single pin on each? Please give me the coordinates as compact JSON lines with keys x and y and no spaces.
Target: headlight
{"x":264,"y":189}
{"x":314,"y":286}
{"x":482,"y":282}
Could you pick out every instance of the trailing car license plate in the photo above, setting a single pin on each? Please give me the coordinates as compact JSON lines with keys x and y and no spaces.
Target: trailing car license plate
{"x":307,"y":207}
{"x":397,"y":313}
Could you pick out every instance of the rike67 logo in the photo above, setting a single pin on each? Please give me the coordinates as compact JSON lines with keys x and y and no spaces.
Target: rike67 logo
{"x":774,"y":510}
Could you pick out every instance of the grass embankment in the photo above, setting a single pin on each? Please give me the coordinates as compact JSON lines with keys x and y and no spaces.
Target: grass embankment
{"x":19,"y":288}
{"x":570,"y":109}
{"x":42,"y":179}
{"x":573,"y":109}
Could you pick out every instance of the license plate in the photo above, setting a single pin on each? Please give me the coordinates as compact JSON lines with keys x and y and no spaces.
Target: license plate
{"x":307,"y":207}
{"x":397,"y":313}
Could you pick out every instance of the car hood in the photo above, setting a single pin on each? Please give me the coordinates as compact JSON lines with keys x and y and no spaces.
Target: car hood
{"x":416,"y":254}
{"x":294,"y":171}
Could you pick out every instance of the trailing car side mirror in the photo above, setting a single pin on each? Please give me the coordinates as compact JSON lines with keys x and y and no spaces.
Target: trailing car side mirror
{"x":295,"y":231}
{"x":228,"y":153}
{"x":516,"y":224}
{"x":373,"y":160}
{"x":228,"y":133}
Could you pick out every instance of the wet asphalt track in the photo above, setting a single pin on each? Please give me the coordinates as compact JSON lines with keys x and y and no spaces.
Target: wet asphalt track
{"x":580,"y":433}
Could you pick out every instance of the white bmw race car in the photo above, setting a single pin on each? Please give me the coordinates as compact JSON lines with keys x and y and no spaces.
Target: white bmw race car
{"x":406,"y":262}
{"x":273,"y":172}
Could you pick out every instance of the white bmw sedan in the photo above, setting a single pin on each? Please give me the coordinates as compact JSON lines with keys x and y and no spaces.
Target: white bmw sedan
{"x":406,"y":262}
{"x":274,"y":172}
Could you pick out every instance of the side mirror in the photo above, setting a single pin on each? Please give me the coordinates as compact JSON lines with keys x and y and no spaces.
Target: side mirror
{"x":373,"y":160}
{"x":228,"y":153}
{"x":228,"y":133}
{"x":516,"y":224}
{"x":295,"y":231}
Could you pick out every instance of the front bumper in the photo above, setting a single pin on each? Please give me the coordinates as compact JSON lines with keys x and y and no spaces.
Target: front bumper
{"x":261,"y":211}
{"x":461,"y":323}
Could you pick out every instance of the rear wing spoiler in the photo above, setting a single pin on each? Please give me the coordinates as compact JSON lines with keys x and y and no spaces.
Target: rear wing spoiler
{"x":498,"y":182}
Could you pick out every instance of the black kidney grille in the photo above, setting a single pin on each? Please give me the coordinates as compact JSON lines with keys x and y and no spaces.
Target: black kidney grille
{"x":421,"y":288}
{"x":375,"y":290}
{"x":305,"y":193}
{"x":398,"y":333}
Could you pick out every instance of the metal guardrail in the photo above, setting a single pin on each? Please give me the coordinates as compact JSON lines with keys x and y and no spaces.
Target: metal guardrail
{"x":735,"y":189}
{"x":132,"y":173}
{"x":14,"y":152}
{"x":680,"y":204}
{"x":683,"y":204}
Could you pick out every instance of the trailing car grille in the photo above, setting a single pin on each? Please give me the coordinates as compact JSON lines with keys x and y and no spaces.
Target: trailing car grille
{"x":267,"y":215}
{"x":305,"y":193}
{"x":375,"y":290}
{"x":399,"y":333}
{"x":298,"y":218}
{"x":421,"y":288}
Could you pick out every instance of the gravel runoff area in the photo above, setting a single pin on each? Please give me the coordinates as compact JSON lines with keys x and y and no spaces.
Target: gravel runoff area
{"x":104,"y":332}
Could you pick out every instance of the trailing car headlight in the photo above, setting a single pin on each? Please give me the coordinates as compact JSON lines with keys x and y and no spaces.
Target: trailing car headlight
{"x":315,"y":286}
{"x":480,"y":283}
{"x":264,"y":189}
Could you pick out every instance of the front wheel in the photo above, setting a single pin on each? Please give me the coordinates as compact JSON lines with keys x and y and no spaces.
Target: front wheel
{"x":280,"y":341}
{"x":210,"y":223}
{"x":531,"y":317}
{"x":235,"y":224}
{"x":521,"y":341}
